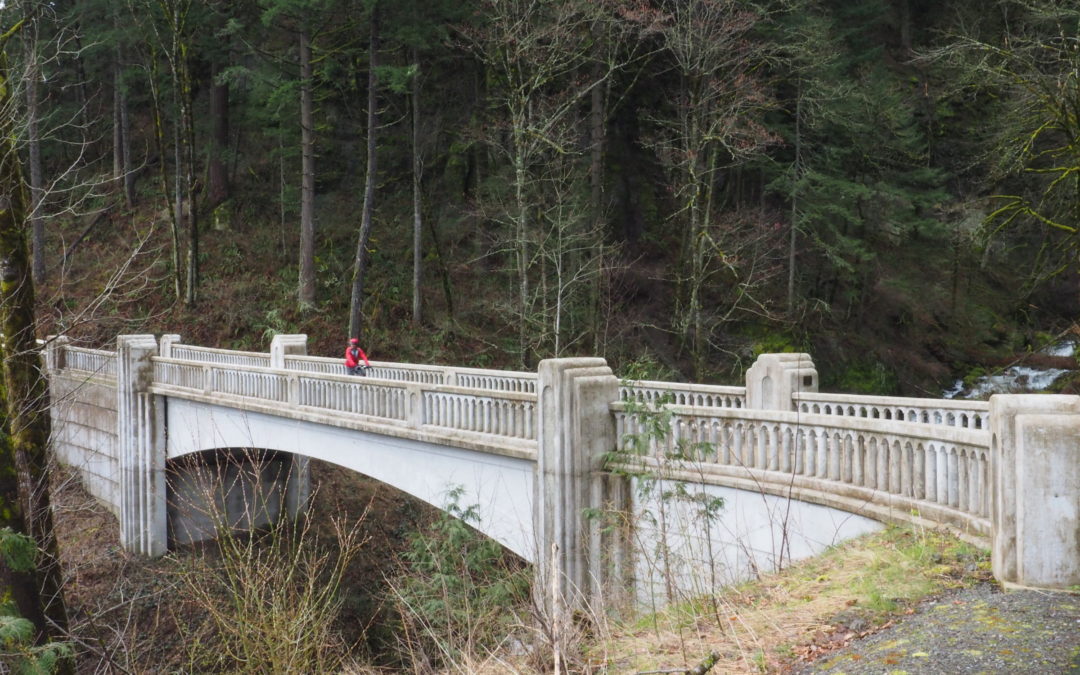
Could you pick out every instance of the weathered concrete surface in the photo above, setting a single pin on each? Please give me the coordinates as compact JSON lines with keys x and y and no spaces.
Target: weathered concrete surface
{"x":84,"y":432}
{"x":1035,"y":509}
{"x":773,"y":378}
{"x":501,"y":487}
{"x":703,"y":537}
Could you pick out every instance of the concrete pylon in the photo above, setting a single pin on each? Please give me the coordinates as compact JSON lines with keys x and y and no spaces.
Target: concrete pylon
{"x":298,"y":488}
{"x":581,"y":563}
{"x":165,"y":343}
{"x":1035,"y":490}
{"x":54,"y":352}
{"x":141,"y":444}
{"x":773,"y":378}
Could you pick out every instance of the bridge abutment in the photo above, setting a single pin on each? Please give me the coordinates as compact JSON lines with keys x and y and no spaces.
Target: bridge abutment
{"x":1035,"y":490}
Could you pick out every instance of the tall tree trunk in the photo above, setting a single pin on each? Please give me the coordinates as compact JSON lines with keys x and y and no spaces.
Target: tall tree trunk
{"x":37,"y":183}
{"x":796,"y":176}
{"x":125,"y":145}
{"x":219,"y":140}
{"x":24,"y":490}
{"x":159,"y":140}
{"x":187,"y":135}
{"x":418,"y":168}
{"x":356,"y":326}
{"x":117,"y":129}
{"x":597,"y":115}
{"x":307,"y":177}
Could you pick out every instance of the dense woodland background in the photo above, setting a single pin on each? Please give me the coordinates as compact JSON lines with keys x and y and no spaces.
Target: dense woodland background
{"x":678,"y":185}
{"x":890,"y":185}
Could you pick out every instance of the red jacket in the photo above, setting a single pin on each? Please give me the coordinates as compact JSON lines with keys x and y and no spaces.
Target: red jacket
{"x":353,"y":355}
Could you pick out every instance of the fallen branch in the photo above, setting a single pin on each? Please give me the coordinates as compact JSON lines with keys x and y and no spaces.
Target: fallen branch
{"x":700,"y":669}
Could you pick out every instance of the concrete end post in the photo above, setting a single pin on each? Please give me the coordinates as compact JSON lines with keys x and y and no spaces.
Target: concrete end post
{"x":773,"y":378}
{"x":298,"y":488}
{"x":286,"y":345}
{"x":576,"y":431}
{"x":165,"y":343}
{"x":55,"y":346}
{"x":1035,"y":490}
{"x":141,"y":444}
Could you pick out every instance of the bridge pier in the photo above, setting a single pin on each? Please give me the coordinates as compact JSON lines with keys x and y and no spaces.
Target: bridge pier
{"x":581,"y":564}
{"x":298,"y":487}
{"x":141,"y":446}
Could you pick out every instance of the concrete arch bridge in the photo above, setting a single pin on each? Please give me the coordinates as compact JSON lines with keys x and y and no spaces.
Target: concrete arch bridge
{"x":625,"y":490}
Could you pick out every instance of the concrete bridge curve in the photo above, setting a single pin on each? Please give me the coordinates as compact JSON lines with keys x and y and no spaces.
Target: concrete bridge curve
{"x":562,"y":462}
{"x":499,"y":485}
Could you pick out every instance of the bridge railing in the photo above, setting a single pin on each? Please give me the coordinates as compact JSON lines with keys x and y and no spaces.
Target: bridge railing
{"x":702,"y":395}
{"x":221,"y":356}
{"x":419,"y":405}
{"x":96,"y":361}
{"x":963,"y":414}
{"x":474,"y":378}
{"x":940,"y":470}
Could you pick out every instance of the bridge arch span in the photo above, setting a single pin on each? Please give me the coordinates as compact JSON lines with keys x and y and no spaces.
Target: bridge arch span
{"x":501,"y":487}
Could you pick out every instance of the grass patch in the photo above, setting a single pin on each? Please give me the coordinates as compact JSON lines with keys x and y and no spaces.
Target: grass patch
{"x":811,"y":607}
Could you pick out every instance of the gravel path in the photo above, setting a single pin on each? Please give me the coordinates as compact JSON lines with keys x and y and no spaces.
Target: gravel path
{"x":974,"y":630}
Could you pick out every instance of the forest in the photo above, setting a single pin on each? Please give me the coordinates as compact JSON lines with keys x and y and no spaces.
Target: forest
{"x":892,"y":186}
{"x":889,"y":185}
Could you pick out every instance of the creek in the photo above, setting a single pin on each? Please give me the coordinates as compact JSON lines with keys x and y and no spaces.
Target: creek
{"x":1015,"y":379}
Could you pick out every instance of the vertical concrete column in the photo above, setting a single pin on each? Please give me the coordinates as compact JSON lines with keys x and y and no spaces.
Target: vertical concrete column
{"x":1035,"y":490}
{"x":298,"y":488}
{"x":54,"y":352}
{"x":286,"y":345}
{"x":141,"y":443}
{"x":165,"y":343}
{"x":580,"y":563}
{"x":773,"y":378}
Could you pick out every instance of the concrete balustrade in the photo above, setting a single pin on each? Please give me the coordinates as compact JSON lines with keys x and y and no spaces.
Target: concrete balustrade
{"x":702,"y":395}
{"x":884,"y":461}
{"x":1002,"y":474}
{"x":965,"y":414}
{"x":473,"y":378}
{"x":96,"y":361}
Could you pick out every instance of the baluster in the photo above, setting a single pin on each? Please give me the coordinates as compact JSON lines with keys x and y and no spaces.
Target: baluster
{"x":905,"y":470}
{"x":761,"y":447}
{"x":884,"y":454}
{"x":984,"y":484}
{"x":954,"y":478}
{"x":858,"y":461}
{"x":918,"y":474}
{"x":930,"y":464}
{"x":799,"y":436}
{"x":821,"y":462}
{"x":962,"y":479}
{"x":974,"y":505}
{"x":786,"y":450}
{"x":942,"y":474}
{"x":846,"y":459}
{"x":811,"y":452}
{"x":836,"y":451}
{"x":774,"y":447}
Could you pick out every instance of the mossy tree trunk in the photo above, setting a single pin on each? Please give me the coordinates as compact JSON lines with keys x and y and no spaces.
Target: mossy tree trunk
{"x":24,"y":435}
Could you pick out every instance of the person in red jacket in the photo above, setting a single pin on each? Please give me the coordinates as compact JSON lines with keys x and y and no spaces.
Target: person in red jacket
{"x":353,"y":356}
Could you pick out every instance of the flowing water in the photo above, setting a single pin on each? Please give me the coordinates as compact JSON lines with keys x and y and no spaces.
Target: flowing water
{"x":1015,"y":379}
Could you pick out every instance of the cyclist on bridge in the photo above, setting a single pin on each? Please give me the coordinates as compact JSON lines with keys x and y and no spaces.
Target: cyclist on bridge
{"x":353,"y":356}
